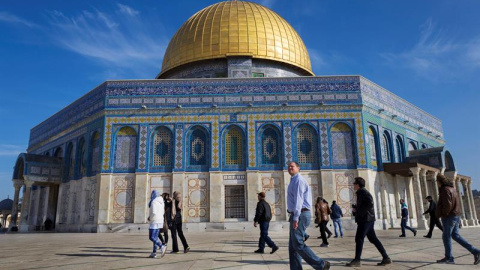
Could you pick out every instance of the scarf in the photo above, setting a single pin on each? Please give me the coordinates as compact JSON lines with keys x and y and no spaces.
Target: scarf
{"x":154,"y":195}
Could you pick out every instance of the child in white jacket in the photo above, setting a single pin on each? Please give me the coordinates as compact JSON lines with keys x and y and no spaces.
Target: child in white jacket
{"x":157,"y":210}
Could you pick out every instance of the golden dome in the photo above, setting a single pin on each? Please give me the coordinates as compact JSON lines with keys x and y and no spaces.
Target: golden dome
{"x":236,"y":28}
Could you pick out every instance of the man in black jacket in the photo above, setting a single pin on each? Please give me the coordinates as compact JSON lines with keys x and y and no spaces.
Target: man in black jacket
{"x":263,"y":215}
{"x":433,"y":218}
{"x":365,"y":219}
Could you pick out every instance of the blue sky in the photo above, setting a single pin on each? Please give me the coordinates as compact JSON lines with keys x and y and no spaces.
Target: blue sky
{"x":54,"y":51}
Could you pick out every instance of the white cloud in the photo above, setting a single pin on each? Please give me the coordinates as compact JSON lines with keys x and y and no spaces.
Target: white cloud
{"x":11,"y":150}
{"x":438,"y":54}
{"x":11,"y":18}
{"x":129,"y":42}
{"x":128,"y":10}
{"x":317,"y":60}
{"x":267,"y":3}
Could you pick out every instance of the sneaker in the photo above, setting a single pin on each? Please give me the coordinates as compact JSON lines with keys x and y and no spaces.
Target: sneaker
{"x":153,"y":255}
{"x":306,"y":238}
{"x":402,"y":235}
{"x":319,"y":237}
{"x":186,"y":250}
{"x":275,"y":248}
{"x":174,"y":252}
{"x":324,"y":245}
{"x":326,"y":265}
{"x":415,"y":233}
{"x":335,"y":236}
{"x":385,"y":261}
{"x":476,"y":258}
{"x":427,"y":236}
{"x":447,"y":261}
{"x":354,"y":263}
{"x":259,"y":251}
{"x":163,"y":250}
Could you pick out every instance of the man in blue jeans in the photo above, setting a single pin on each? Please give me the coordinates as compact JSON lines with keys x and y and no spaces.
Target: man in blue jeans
{"x":263,"y":215}
{"x":448,"y":208}
{"x":299,"y":203}
{"x":336,"y":218}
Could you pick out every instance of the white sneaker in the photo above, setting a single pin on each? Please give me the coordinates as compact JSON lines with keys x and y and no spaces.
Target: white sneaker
{"x":163,"y":250}
{"x":153,"y":255}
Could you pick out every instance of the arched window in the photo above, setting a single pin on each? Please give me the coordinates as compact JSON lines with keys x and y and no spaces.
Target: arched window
{"x":163,"y":148}
{"x":69,"y":162}
{"x":399,"y":154}
{"x":386,"y":151}
{"x":198,"y":147}
{"x":234,"y":148}
{"x":307,"y":146}
{"x":96,"y":154}
{"x":82,"y":157}
{"x":412,"y":146}
{"x":125,"y":149}
{"x":58,"y":153}
{"x":372,"y":141}
{"x":270,"y":146}
{"x":342,"y":145}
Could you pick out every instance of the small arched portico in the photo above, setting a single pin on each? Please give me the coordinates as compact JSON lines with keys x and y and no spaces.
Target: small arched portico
{"x":32,"y":171}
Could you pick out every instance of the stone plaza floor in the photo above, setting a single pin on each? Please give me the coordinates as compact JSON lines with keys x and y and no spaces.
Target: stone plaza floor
{"x":220,"y":250}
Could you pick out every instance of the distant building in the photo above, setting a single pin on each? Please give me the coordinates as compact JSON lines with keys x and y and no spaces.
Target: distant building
{"x":236,"y":99}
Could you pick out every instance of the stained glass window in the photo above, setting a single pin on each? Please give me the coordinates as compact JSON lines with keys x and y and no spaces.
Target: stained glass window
{"x":162,"y":147}
{"x":270,"y":147}
{"x":95,"y":153}
{"x":385,"y":148}
{"x":198,"y":148}
{"x":342,"y":145}
{"x":126,"y":149}
{"x":234,"y":147}
{"x":373,"y":148}
{"x":307,"y":152}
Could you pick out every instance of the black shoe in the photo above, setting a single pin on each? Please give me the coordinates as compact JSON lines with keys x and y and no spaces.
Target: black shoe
{"x":476,"y":258}
{"x":326,"y":266}
{"x":354,"y":263}
{"x":427,"y":236}
{"x":319,"y":237}
{"x":259,"y":251}
{"x":306,"y":238}
{"x":402,"y":235}
{"x":275,"y":248}
{"x":447,"y":261}
{"x":186,"y":250}
{"x":330,"y":235}
{"x":174,"y":252}
{"x":385,"y":261}
{"x":415,"y":233}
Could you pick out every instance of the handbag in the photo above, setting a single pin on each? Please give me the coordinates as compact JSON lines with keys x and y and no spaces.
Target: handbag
{"x":317,"y":220}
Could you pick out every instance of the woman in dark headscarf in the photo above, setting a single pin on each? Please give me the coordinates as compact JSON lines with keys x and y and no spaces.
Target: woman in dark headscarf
{"x":157,"y":211}
{"x":177,"y":224}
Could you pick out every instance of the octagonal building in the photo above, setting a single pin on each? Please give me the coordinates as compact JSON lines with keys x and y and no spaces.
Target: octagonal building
{"x":235,"y":100}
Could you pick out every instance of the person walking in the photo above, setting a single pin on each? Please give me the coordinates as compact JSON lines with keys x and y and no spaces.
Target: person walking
{"x":299,"y":205}
{"x":263,"y":215}
{"x":177,"y":208}
{"x":448,"y":209}
{"x":155,"y":217}
{"x":336,"y":216}
{"x":404,"y":221}
{"x":365,"y":219}
{"x":322,"y":212}
{"x":433,"y":217}
{"x":168,"y":215}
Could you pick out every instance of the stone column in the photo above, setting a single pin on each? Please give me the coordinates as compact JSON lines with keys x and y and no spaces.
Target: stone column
{"x":423,"y":178}
{"x":422,"y":222}
{"x":463,"y":216}
{"x":472,"y":202}
{"x":410,"y":198}
{"x":25,"y":205}
{"x":17,"y":184}
{"x":397,"y":196}
{"x":435,"y":187}
{"x":142,"y":196}
{"x":384,"y":201}
{"x":254,"y":186}
{"x":217,"y":198}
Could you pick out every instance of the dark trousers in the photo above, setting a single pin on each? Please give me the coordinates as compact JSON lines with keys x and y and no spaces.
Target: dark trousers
{"x":177,"y":228}
{"x":434,"y":221}
{"x":323,"y":233}
{"x":165,"y":234}
{"x":264,"y":238}
{"x":366,"y":229}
